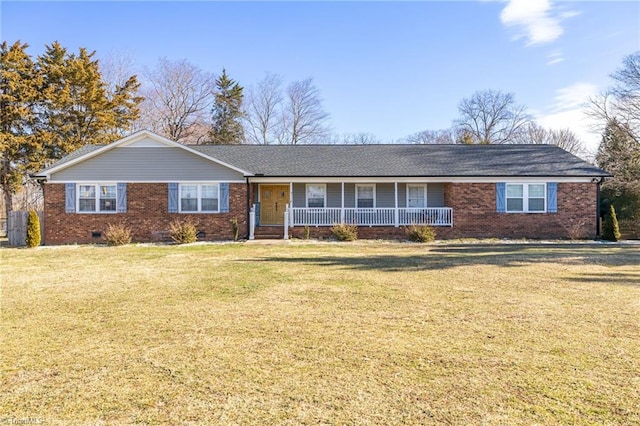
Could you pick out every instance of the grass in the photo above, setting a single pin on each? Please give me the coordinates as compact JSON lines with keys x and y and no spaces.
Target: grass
{"x":357,"y":333}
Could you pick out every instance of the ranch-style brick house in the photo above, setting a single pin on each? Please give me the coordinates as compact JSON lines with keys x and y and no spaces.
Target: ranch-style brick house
{"x":147,"y":181}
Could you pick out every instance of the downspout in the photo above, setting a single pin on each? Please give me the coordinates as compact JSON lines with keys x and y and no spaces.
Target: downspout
{"x":599,"y":182}
{"x":248,"y":206}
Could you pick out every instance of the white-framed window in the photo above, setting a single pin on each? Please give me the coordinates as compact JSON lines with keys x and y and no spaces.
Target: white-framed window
{"x":316,"y":195}
{"x":97,"y":198}
{"x":196,"y":198}
{"x":526,"y":197}
{"x":417,"y":196}
{"x":365,"y":196}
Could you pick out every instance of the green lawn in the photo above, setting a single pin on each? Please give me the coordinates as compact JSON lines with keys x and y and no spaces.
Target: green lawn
{"x":352,"y":333}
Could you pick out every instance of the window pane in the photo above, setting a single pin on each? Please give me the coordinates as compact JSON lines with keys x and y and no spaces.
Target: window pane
{"x":365,"y":192}
{"x":536,"y":204}
{"x":209,"y":204}
{"x":107,"y":191}
{"x":108,"y":204}
{"x":536,"y":191}
{"x":189,"y":191}
{"x":514,"y":191}
{"x":315,"y":195}
{"x":416,"y":197}
{"x":365,"y":203}
{"x":87,"y":191}
{"x":209,"y":191}
{"x":87,"y":205}
{"x":189,"y":204}
{"x":514,"y":204}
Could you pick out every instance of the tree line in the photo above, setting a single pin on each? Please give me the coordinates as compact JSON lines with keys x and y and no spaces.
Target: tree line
{"x":59,"y":101}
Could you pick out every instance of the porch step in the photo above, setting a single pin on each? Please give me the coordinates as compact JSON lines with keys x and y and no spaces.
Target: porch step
{"x":269,"y":232}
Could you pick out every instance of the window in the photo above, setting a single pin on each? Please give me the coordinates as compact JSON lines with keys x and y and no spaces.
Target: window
{"x":526,"y":197}
{"x":199,"y":198}
{"x":365,"y":196}
{"x":416,"y":196}
{"x":316,"y":195}
{"x":97,"y":198}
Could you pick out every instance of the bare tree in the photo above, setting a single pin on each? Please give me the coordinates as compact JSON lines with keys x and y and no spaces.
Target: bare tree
{"x":490,"y":117}
{"x":304,"y":120}
{"x":533,"y":133}
{"x":443,"y":136}
{"x":361,"y":138}
{"x":263,"y":110}
{"x":621,"y":102}
{"x":178,"y":97}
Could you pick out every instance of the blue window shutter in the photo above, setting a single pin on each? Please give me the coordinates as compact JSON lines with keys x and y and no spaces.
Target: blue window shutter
{"x":552,"y":197}
{"x":70,"y":197}
{"x":121,"y":202}
{"x":501,"y":197}
{"x":173,"y":197}
{"x":224,"y":197}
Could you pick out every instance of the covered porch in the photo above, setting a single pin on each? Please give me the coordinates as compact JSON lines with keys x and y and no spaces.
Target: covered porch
{"x":323,"y":203}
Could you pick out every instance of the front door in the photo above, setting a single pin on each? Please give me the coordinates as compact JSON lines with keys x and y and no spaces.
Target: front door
{"x":273,"y":200}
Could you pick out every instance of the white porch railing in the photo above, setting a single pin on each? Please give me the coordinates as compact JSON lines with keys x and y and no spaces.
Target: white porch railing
{"x":434,"y":216}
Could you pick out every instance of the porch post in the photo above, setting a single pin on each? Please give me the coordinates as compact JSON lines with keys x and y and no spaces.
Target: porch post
{"x":252,"y":222}
{"x":286,"y":222}
{"x":291,"y":200}
{"x":342,"y":205}
{"x":396,"y":213}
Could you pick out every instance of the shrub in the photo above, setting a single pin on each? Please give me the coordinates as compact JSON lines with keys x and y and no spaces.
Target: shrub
{"x":234,"y":225}
{"x":344,"y":232}
{"x":307,"y":232}
{"x":117,"y":234}
{"x":183,"y":231}
{"x":575,"y":229}
{"x":33,"y":230}
{"x":611,"y":229}
{"x":420,"y":233}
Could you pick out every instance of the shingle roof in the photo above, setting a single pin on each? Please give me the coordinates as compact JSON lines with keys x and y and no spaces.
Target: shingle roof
{"x":402,"y":160}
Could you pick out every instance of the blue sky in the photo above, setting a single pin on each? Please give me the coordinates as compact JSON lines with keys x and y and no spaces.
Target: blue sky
{"x":387,"y":68}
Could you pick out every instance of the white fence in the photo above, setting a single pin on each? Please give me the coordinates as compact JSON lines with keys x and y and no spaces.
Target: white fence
{"x":17,"y":227}
{"x":434,"y":216}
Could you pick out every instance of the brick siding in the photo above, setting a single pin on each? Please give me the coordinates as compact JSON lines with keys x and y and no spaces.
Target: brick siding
{"x":147,"y":215}
{"x":475,"y":216}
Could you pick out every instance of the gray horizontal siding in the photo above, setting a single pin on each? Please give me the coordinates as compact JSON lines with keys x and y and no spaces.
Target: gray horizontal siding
{"x":334,"y":195}
{"x":299,"y":195}
{"x":385,"y":195}
{"x":146,"y":164}
{"x":435,"y":195}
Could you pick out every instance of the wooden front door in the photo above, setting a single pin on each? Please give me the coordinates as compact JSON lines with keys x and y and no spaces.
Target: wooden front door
{"x":273,"y":200}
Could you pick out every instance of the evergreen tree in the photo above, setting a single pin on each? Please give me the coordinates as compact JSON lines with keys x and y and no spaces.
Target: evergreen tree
{"x":20,"y":151}
{"x":33,"y":230}
{"x":610,"y":228}
{"x":77,"y":107}
{"x":52,"y":106}
{"x":619,"y":154}
{"x":227,"y":112}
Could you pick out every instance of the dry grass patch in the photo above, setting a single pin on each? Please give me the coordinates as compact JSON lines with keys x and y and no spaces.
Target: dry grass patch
{"x":369,"y":333}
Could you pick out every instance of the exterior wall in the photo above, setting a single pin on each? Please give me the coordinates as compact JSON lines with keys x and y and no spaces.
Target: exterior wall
{"x":150,"y":164}
{"x":474,"y":213}
{"x":385,"y":195}
{"x":475,"y":216}
{"x":147,"y":215}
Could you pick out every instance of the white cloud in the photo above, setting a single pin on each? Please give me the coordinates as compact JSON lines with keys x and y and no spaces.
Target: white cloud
{"x":555,"y":57}
{"x":568,"y":111}
{"x":536,"y":20}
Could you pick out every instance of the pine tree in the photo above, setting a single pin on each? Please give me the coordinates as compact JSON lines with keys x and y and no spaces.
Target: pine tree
{"x":227,"y":112}
{"x":20,"y":151}
{"x":610,"y":228}
{"x":619,"y":154}
{"x":33,"y":230}
{"x":78,"y":109}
